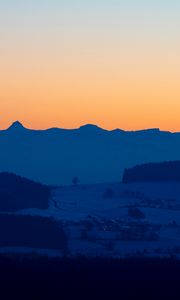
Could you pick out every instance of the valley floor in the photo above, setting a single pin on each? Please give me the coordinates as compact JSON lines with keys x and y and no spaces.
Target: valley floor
{"x":119,"y":220}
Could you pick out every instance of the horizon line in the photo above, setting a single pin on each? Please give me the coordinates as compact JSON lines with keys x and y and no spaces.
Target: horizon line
{"x":20,"y":124}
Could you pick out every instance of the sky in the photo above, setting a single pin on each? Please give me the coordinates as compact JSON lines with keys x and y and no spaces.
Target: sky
{"x":112,"y":63}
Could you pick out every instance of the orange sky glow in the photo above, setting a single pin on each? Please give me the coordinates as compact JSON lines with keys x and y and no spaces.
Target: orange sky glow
{"x":116,"y":69}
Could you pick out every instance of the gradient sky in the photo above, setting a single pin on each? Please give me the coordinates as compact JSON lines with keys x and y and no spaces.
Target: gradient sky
{"x":113,"y":63}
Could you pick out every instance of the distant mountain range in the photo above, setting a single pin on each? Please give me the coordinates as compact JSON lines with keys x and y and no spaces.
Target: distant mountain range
{"x":54,"y":156}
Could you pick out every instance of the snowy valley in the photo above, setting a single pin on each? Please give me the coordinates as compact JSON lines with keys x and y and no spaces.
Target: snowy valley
{"x":119,"y":220}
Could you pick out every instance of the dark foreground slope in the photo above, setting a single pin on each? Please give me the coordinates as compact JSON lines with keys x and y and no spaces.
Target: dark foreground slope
{"x":33,"y":277}
{"x":31,"y":232}
{"x":153,"y":172}
{"x":18,"y":193}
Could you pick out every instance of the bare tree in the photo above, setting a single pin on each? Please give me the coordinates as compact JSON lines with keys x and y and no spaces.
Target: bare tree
{"x":75,"y":180}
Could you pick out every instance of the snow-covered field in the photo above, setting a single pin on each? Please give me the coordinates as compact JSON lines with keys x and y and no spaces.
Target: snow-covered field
{"x":118,"y":219}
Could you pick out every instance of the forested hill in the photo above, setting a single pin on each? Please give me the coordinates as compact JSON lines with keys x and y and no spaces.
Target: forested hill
{"x":18,"y":193}
{"x":165,"y":171}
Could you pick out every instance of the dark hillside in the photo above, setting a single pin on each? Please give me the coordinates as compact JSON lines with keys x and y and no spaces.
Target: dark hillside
{"x":31,"y":231}
{"x":18,"y":193}
{"x":153,"y":172}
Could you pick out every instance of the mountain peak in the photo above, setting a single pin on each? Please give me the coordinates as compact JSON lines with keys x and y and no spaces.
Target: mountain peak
{"x":91,"y":127}
{"x":16,"y":126}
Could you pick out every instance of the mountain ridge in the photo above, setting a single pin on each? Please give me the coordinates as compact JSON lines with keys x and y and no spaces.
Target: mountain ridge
{"x":17,"y":125}
{"x":54,"y":156}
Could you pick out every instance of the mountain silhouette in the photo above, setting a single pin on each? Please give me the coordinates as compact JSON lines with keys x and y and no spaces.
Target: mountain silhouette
{"x":55,"y":156}
{"x":16,"y":126}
